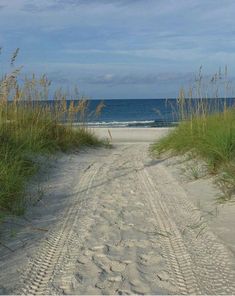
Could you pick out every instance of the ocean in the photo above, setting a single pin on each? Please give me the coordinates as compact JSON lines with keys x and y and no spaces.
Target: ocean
{"x":144,"y":112}
{"x":139,"y":112}
{"x":134,"y":113}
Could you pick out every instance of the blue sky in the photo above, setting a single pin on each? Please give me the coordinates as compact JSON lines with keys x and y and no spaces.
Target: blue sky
{"x":119,"y":48}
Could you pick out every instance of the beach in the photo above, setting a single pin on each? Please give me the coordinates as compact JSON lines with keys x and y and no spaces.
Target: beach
{"x":118,"y":221}
{"x":130,"y":135}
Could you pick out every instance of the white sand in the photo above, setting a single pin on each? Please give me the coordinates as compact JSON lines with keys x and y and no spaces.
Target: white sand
{"x":205,"y":194}
{"x":130,"y":135}
{"x":115,"y":221}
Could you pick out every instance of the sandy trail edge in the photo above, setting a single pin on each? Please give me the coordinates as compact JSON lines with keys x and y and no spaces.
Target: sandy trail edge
{"x":118,"y":222}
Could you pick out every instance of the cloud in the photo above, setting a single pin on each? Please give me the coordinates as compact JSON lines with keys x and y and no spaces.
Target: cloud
{"x":137,"y":79}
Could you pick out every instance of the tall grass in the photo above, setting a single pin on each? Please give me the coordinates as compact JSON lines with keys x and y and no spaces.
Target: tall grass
{"x":29,"y":127}
{"x":206,"y":127}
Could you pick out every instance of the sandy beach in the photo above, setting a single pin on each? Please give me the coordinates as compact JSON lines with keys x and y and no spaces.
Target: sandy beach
{"x":116,"y":221}
{"x":130,"y":135}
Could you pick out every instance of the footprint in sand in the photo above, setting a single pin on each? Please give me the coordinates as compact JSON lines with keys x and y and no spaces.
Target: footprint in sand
{"x":115,"y":279}
{"x":102,"y":262}
{"x":117,"y":266}
{"x":97,"y":248}
{"x":138,"y":287}
{"x":163,"y":275}
{"x":83,"y":259}
{"x":79,"y":277}
{"x":149,"y":259}
{"x":102,"y":285}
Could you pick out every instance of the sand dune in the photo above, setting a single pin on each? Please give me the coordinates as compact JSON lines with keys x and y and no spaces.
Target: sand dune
{"x":116,"y":222}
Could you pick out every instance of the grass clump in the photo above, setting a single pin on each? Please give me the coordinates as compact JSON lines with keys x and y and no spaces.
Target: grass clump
{"x":207,"y":131}
{"x":212,"y":138}
{"x":28,"y":127}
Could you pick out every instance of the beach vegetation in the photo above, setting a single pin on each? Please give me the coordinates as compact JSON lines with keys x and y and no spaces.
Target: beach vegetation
{"x":206,"y":128}
{"x":30,"y":127}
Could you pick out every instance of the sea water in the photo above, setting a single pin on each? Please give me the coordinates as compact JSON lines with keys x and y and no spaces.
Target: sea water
{"x":139,"y":112}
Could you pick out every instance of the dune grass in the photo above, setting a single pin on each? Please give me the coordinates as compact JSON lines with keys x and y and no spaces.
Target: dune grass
{"x":29,"y":128}
{"x":212,"y":138}
{"x":208,"y":133}
{"x":21,"y":141}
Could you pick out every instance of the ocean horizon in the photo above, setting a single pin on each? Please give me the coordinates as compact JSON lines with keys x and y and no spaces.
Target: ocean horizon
{"x":137,"y":112}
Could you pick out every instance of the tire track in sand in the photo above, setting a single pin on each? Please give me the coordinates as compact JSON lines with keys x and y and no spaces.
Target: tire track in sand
{"x":212,"y":262}
{"x":59,"y":248}
{"x":130,"y":230}
{"x":53,"y":250}
{"x":198,"y":262}
{"x":120,"y":254}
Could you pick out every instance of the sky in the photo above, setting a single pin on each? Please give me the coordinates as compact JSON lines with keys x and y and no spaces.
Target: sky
{"x":119,"y":48}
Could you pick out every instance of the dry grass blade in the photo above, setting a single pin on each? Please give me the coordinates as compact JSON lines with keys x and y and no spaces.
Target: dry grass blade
{"x":99,"y":108}
{"x":206,"y":127}
{"x":14,"y":56}
{"x":30,"y":125}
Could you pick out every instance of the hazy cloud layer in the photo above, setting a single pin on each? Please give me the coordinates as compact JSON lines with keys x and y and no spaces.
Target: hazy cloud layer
{"x":133,"y":79}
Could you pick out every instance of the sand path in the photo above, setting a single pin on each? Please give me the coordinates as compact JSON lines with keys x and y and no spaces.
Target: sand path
{"x":126,"y":226}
